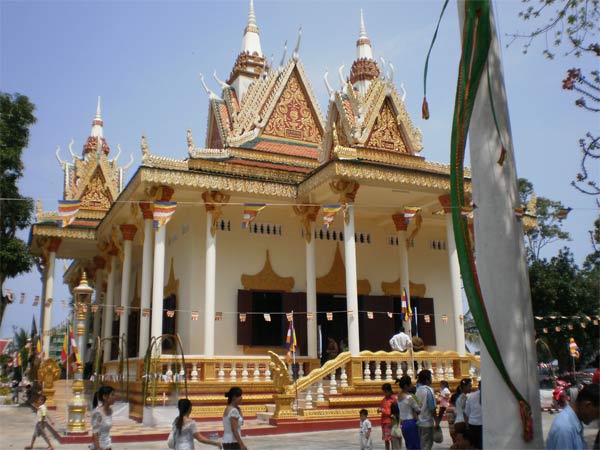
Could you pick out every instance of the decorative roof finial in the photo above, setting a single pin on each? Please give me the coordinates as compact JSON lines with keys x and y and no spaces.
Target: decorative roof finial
{"x":296,"y":54}
{"x":363,"y":30}
{"x":210,"y":93}
{"x":145,"y":149}
{"x":330,"y":90}
{"x":251,"y":40}
{"x":97,"y":123}
{"x":282,"y":62}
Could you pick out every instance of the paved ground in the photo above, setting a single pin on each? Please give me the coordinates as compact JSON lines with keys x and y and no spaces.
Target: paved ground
{"x":16,"y":425}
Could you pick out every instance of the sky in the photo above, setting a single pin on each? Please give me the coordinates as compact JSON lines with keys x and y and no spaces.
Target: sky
{"x":144,"y":58}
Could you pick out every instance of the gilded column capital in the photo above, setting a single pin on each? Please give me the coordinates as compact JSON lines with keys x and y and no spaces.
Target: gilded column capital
{"x":400,"y":222}
{"x":306,"y":214}
{"x":446,"y":203}
{"x":160,"y":193}
{"x":54,"y":244}
{"x":346,"y":189}
{"x":128,"y":231}
{"x":214,"y":201}
{"x":147,"y":210}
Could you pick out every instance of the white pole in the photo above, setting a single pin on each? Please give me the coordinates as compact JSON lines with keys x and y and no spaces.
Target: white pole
{"x":209,"y":287}
{"x":351,"y":283}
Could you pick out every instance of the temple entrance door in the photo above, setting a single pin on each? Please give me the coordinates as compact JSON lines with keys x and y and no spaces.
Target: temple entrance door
{"x":337,"y":328}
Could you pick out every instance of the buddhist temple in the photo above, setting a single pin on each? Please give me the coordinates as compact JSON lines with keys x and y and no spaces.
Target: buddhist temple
{"x":282,"y":217}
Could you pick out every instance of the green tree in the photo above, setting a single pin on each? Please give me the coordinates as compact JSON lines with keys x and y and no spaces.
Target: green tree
{"x":16,"y":116}
{"x":550,"y":220}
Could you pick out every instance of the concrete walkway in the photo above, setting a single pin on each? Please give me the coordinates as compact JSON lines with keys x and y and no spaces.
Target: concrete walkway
{"x":16,"y":426}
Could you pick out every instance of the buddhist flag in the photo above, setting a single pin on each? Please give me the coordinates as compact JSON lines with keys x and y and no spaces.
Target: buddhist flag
{"x":163,"y":211}
{"x":65,"y":348}
{"x":563,"y":213}
{"x":329,"y":212}
{"x":291,"y":343}
{"x":406,"y":308}
{"x":573,"y":348}
{"x":251,"y":210}
{"x":67,"y":211}
{"x":410,"y":211}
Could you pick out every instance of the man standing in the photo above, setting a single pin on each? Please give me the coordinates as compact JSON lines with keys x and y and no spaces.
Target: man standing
{"x":401,"y":341}
{"x":474,"y":414}
{"x":426,"y":398}
{"x":567,"y":428}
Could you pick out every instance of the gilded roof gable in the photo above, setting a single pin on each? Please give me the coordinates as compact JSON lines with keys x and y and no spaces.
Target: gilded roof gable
{"x":386,"y":133}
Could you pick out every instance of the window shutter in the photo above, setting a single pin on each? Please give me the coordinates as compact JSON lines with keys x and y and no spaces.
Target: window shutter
{"x":427,"y":330}
{"x":244,"y":329}
{"x":375,"y":333}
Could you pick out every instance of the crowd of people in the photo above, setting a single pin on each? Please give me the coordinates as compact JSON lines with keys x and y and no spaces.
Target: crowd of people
{"x":414,"y":415}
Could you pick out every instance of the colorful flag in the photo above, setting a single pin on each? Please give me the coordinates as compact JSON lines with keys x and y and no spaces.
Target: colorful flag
{"x":163,"y":211}
{"x":291,"y":343}
{"x":67,"y":211}
{"x":65,"y":348}
{"x":573,"y":348}
{"x":520,"y":212}
{"x":563,"y":213}
{"x":329,"y":212}
{"x":406,"y":308}
{"x":251,"y":210}
{"x":410,"y":211}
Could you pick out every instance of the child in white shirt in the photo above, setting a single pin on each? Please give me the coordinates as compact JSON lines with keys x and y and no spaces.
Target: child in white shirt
{"x":365,"y":430}
{"x":40,"y":425}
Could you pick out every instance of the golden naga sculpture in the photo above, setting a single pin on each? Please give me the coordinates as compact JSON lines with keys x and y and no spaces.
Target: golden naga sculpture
{"x":47,"y":374}
{"x":279,"y":373}
{"x":214,"y":201}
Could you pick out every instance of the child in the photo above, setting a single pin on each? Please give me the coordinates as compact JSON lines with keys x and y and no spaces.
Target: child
{"x":443,"y":399}
{"x":365,"y":430}
{"x":42,"y":412}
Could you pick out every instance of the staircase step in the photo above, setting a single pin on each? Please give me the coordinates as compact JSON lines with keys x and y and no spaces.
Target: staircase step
{"x":270,"y":407}
{"x":264,"y":417}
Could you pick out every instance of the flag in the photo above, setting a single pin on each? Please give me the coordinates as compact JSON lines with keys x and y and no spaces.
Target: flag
{"x":563,"y":213}
{"x":329,"y":212}
{"x":34,"y":331}
{"x":67,"y":211}
{"x":410,"y":211}
{"x":291,"y":343}
{"x":65,"y":348}
{"x":163,"y":211}
{"x":406,"y":308}
{"x":251,"y":210}
{"x":573,"y":348}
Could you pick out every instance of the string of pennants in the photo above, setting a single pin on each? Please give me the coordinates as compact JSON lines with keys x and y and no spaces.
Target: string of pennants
{"x":163,"y":211}
{"x":582,"y":321}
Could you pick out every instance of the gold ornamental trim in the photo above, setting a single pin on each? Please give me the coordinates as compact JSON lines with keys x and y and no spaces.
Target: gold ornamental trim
{"x":72,"y":233}
{"x":172,"y":286}
{"x":334,"y":282}
{"x":393,"y":288}
{"x":273,"y":158}
{"x":215,"y":182}
{"x":267,"y":279}
{"x":231,"y":168}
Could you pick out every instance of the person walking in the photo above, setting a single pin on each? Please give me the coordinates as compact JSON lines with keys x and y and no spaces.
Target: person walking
{"x":40,"y":425}
{"x":385,"y":408}
{"x":408,"y":409}
{"x":233,"y":421}
{"x":474,"y":414}
{"x":365,"y":430}
{"x":443,"y":399}
{"x":460,"y":400}
{"x":101,"y":418}
{"x":185,"y":430}
{"x":566,"y":431}
{"x":426,"y":400}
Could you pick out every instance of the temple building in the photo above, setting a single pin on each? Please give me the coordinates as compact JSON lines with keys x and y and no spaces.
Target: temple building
{"x":283,"y":212}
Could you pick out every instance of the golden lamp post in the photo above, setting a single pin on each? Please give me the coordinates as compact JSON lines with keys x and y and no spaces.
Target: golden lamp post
{"x":77,"y":404}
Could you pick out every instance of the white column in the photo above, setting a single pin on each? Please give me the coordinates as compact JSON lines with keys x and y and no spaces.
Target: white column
{"x":107,"y":318}
{"x":209,"y":287}
{"x":501,"y":264}
{"x":48,"y":297}
{"x":459,"y":329}
{"x":156,"y":329}
{"x":311,"y":295}
{"x":401,"y":225}
{"x":146,"y":294}
{"x":351,"y":282}
{"x":128,"y":232}
{"x":98,"y":301}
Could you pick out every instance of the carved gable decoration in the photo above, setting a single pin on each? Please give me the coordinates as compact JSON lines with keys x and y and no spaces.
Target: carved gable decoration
{"x":334,"y":282}
{"x":386,"y":133}
{"x":293,"y":116}
{"x":96,"y":194}
{"x":267,"y":280}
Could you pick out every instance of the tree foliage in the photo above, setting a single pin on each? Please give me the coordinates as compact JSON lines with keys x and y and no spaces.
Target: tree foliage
{"x":16,"y":116}
{"x":549,"y":216}
{"x":572,"y":27}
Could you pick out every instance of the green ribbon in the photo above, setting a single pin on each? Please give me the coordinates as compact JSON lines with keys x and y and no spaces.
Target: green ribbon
{"x":477,"y":37}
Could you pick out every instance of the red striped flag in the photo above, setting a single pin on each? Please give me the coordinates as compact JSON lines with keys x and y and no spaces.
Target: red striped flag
{"x":291,"y":343}
{"x":67,"y":211}
{"x":163,"y":211}
{"x":329,"y":212}
{"x":251,"y":210}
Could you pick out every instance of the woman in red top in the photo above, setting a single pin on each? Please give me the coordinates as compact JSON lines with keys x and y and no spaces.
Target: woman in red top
{"x":386,"y":410}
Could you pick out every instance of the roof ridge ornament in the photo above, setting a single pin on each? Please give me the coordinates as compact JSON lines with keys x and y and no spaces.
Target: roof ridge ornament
{"x":210,"y":93}
{"x":219,"y":81}
{"x":296,"y":54}
{"x":73,"y":154}
{"x":403,"y":98}
{"x":280,"y":68}
{"x":363,"y":30}
{"x":330,"y":90}
{"x":118,"y":154}
{"x":341,"y":74}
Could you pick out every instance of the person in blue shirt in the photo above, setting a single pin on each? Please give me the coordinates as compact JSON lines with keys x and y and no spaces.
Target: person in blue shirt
{"x":567,"y":429}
